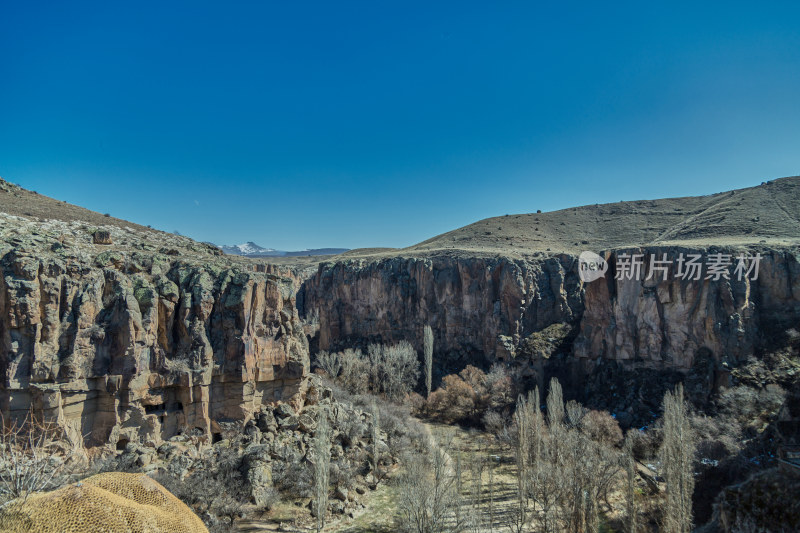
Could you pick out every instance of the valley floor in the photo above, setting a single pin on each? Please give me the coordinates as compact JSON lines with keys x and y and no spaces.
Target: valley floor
{"x":476,"y":451}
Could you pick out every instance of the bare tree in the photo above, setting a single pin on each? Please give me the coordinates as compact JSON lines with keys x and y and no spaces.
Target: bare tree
{"x":375,"y":439}
{"x":491,"y":493}
{"x":428,"y":499}
{"x":330,"y":363}
{"x":555,"y":406}
{"x":30,"y":457}
{"x":427,"y":341}
{"x":564,"y":474}
{"x":394,"y":370}
{"x":321,"y":454}
{"x":677,"y":459}
{"x":524,"y":424}
{"x":631,"y":511}
{"x":355,"y":369}
{"x":477,"y":466}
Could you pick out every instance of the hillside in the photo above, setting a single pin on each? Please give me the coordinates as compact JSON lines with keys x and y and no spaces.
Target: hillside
{"x":765,"y":214}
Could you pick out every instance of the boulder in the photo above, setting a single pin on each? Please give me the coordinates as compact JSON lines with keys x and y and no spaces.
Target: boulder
{"x":101,"y":236}
{"x":340,"y":493}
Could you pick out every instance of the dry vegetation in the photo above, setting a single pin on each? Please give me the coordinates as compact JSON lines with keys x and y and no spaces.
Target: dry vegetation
{"x":765,"y":214}
{"x":491,"y":456}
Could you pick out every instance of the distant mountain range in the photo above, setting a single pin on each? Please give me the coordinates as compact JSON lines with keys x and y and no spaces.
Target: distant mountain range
{"x":251,"y":249}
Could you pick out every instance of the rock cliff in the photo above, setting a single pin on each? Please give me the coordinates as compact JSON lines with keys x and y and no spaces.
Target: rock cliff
{"x":487,"y":298}
{"x":140,"y":339}
{"x":483,"y":308}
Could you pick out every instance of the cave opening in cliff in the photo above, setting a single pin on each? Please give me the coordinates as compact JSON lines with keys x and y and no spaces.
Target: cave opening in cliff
{"x":122,"y":443}
{"x":216,"y":437}
{"x":154,"y":409}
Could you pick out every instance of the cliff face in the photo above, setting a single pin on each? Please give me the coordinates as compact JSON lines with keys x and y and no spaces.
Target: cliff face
{"x":485,"y":309}
{"x":476,"y":307}
{"x":131,"y":341}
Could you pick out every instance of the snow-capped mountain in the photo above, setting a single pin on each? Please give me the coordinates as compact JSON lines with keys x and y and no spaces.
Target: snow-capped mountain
{"x":251,"y":249}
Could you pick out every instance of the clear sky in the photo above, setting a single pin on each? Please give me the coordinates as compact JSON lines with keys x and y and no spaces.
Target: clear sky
{"x":309,"y":124}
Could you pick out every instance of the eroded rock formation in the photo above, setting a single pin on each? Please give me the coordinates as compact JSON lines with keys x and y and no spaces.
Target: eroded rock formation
{"x":126,"y":345}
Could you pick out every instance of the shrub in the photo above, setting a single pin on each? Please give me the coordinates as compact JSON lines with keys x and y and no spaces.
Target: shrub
{"x":494,"y":422}
{"x":602,"y":427}
{"x":461,"y":397}
{"x":330,"y":363}
{"x":354,"y":371}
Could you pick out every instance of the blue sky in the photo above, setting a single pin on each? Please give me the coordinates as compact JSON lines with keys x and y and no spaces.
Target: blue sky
{"x":311,"y":124}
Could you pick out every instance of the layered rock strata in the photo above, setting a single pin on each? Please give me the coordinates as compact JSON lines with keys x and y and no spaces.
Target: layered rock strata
{"x":138,"y":342}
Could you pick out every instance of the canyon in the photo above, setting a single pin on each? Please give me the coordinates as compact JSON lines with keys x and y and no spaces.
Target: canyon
{"x":121,"y":332}
{"x":491,"y":289}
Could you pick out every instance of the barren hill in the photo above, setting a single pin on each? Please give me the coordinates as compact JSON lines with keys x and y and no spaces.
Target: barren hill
{"x":765,"y":214}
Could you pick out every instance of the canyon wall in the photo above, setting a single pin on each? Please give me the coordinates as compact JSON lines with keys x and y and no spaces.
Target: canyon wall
{"x":125,"y":345}
{"x":484,"y":309}
{"x":476,"y":307}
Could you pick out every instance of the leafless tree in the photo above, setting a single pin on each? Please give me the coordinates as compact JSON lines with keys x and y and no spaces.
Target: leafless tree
{"x":375,"y":439}
{"x":555,"y":406}
{"x":31,"y":456}
{"x":677,"y":459}
{"x":563,"y":472}
{"x":631,"y":510}
{"x":427,"y":339}
{"x":394,"y":370}
{"x":491,"y":493}
{"x":477,"y":466}
{"x":321,"y":454}
{"x":330,"y":363}
{"x":525,"y":427}
{"x":355,"y":370}
{"x":428,"y":498}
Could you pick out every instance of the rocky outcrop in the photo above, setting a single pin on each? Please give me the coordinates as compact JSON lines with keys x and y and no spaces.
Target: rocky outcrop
{"x":127,"y":345}
{"x":484,"y":309}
